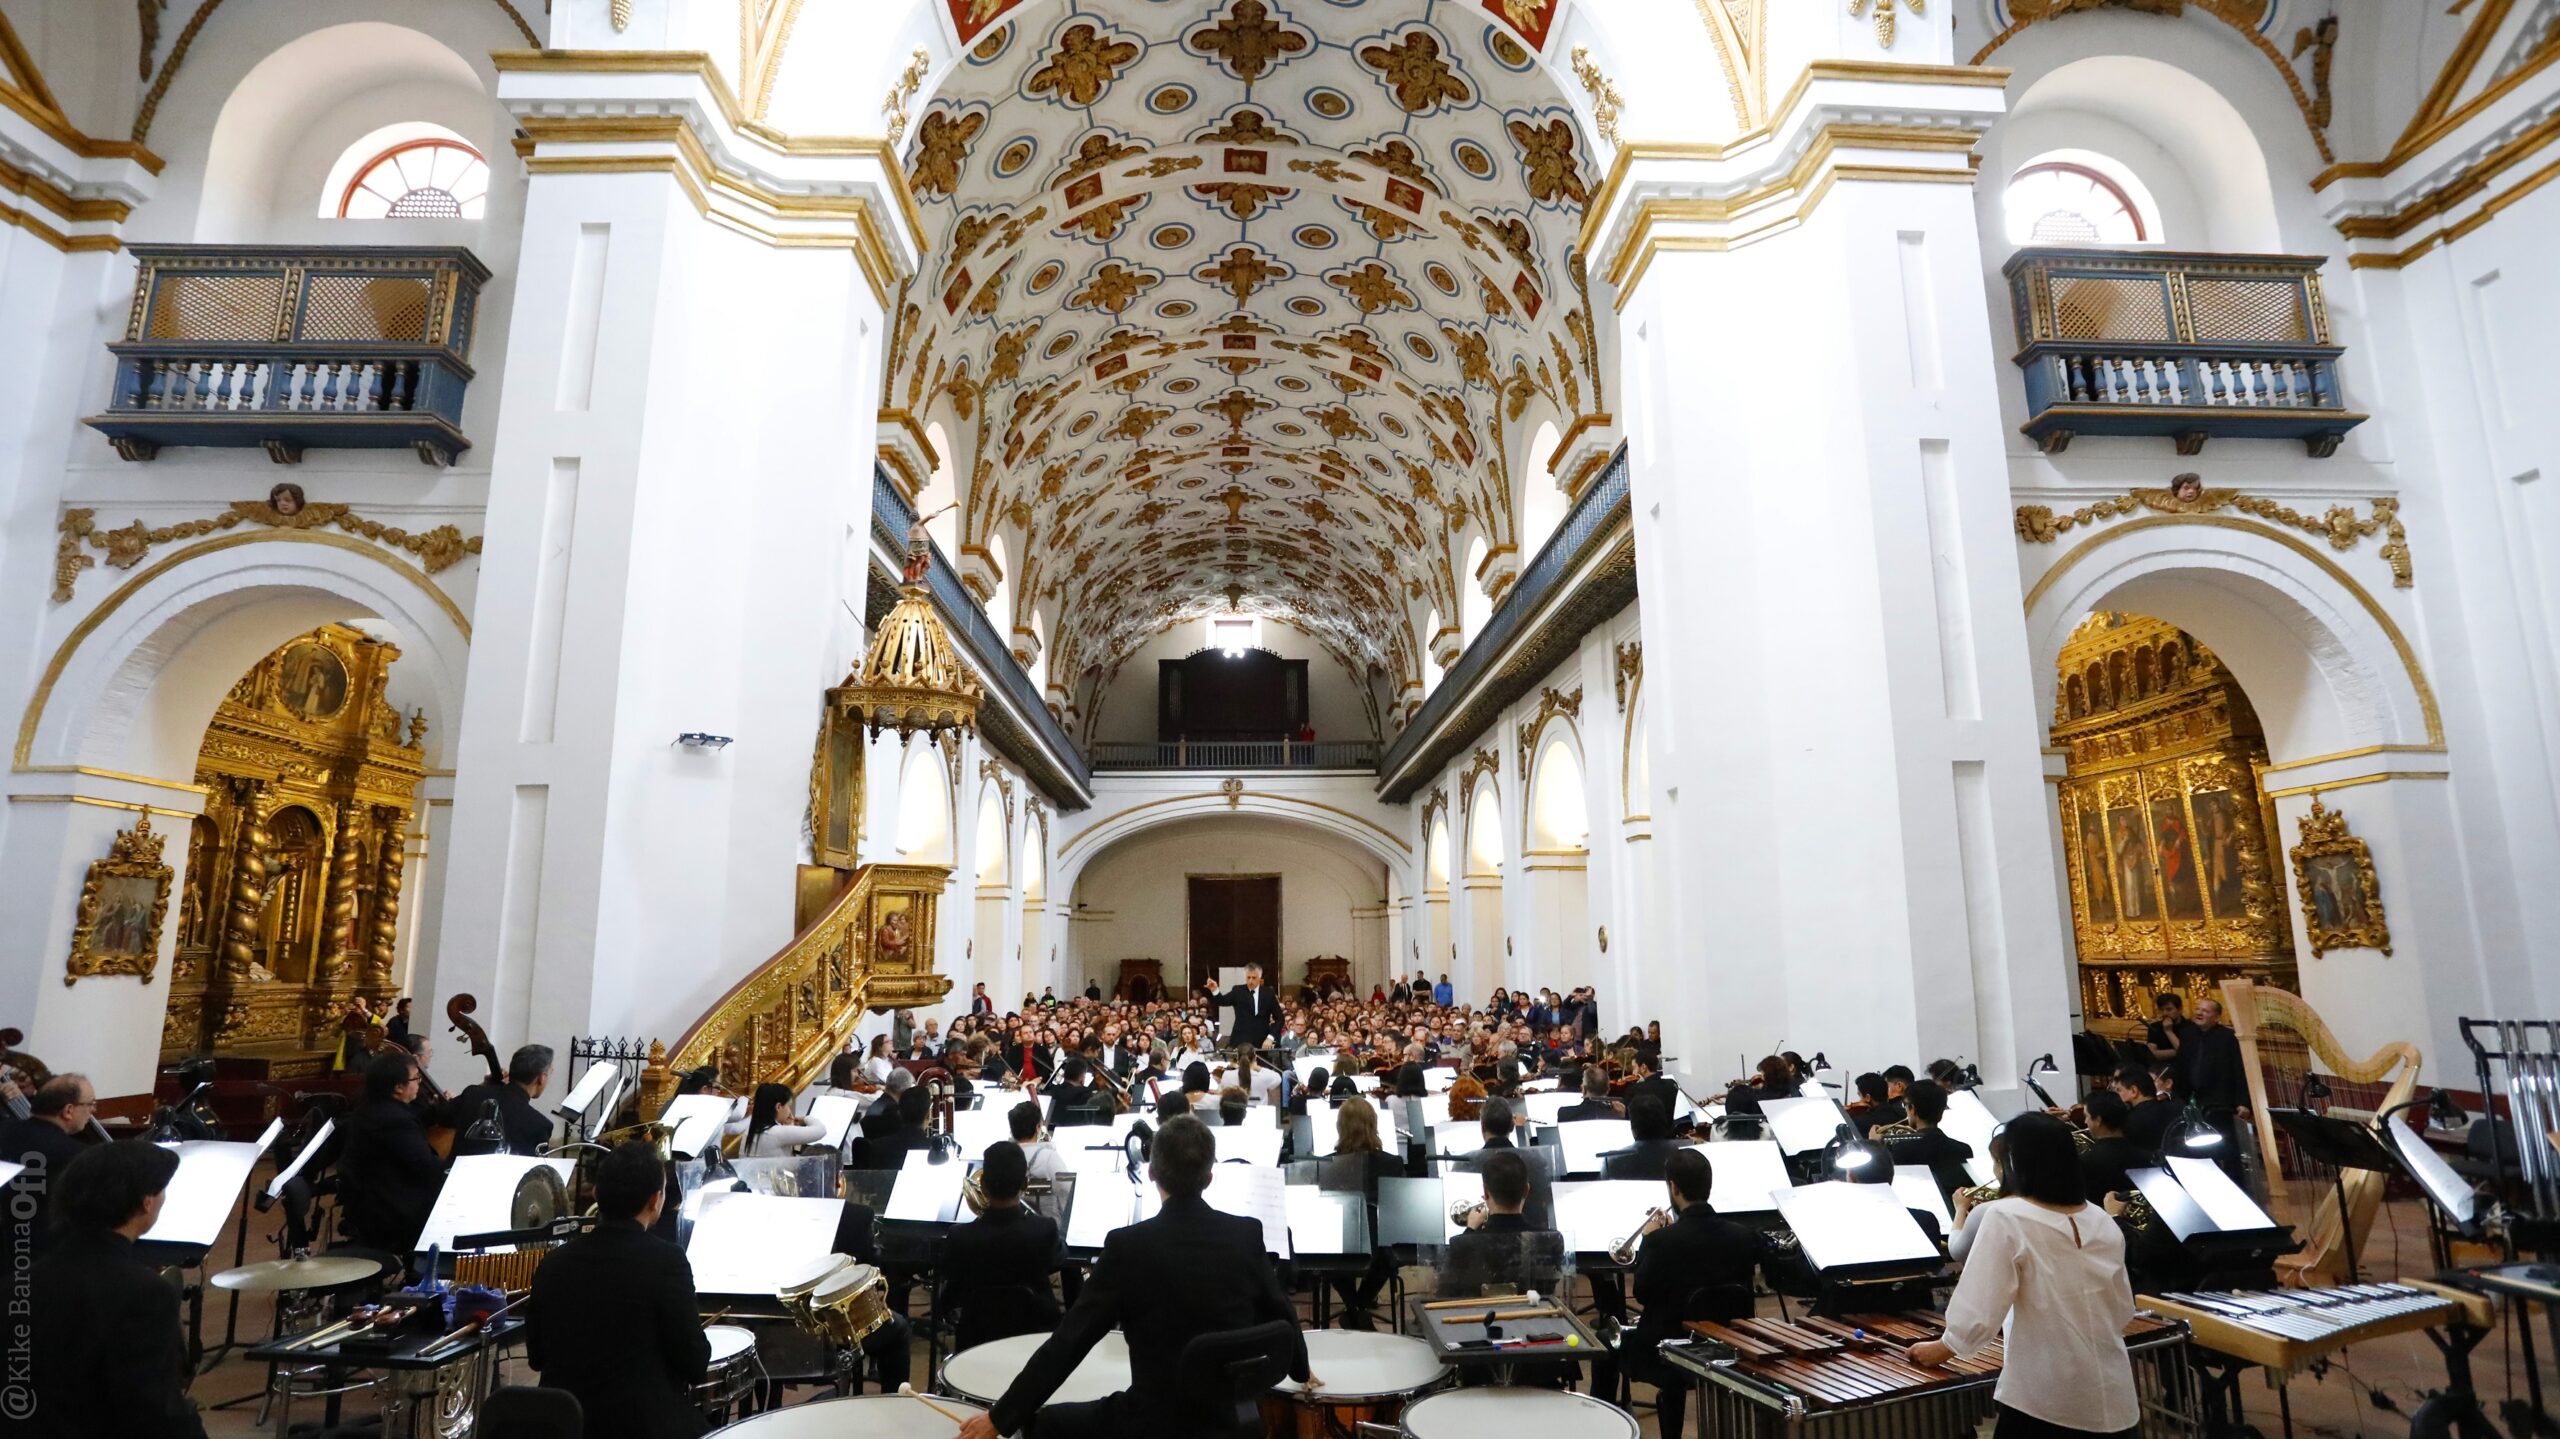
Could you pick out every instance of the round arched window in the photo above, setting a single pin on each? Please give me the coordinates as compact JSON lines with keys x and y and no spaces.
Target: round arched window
{"x":2059,"y":202}
{"x":429,"y":179}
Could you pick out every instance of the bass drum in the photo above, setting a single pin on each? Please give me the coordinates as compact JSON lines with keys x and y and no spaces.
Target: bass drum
{"x":1368,"y":1378}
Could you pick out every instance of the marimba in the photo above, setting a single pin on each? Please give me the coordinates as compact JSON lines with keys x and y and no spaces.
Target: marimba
{"x":2285,"y":1330}
{"x":1819,"y":1377}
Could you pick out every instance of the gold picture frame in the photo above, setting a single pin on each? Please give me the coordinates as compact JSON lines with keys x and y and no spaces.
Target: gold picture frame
{"x":836,"y":786}
{"x":123,"y":904}
{"x":2333,"y":876}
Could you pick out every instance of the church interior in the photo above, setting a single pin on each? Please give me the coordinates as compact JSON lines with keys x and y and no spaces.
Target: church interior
{"x":1748,"y":692}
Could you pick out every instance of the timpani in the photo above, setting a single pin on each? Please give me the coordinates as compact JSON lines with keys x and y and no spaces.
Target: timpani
{"x":1361,"y":1377}
{"x":1506,"y":1413}
{"x":863,"y":1416}
{"x":982,"y":1374}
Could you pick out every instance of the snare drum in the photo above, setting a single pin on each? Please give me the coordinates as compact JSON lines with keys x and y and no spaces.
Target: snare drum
{"x":873,"y":1416}
{"x":731,"y":1375}
{"x":1365,"y":1377}
{"x":1500,"y":1412}
{"x":981,"y":1375}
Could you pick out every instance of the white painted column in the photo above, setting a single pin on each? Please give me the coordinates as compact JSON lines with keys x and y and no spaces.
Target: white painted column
{"x":1832,"y":627}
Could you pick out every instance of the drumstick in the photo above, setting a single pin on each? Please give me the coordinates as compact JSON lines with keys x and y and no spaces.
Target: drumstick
{"x":909,"y":1390}
{"x":1494,"y":1300}
{"x":1501,"y":1316}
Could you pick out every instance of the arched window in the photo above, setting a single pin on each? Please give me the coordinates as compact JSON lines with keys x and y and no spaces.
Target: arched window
{"x":2067,"y":202}
{"x":431,"y":177}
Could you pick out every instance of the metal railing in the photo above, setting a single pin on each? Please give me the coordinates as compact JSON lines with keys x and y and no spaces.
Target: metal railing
{"x":1597,"y":513}
{"x":990,"y":656}
{"x":2163,"y":342}
{"x":1236,"y":754}
{"x":294,"y":348}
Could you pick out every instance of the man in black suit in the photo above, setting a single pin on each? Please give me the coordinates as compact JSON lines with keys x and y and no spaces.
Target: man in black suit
{"x":995,"y":1269}
{"x":1595,"y":1102}
{"x":1071,"y":1099}
{"x":1256,"y":1010}
{"x":44,"y":1142}
{"x":1510,"y":1250}
{"x":525,"y":1129}
{"x":1919,"y":1140}
{"x":1697,"y":1250}
{"x":1651,"y":1080}
{"x":1650,"y":1126}
{"x":1163,"y":1282}
{"x":886,"y":1146}
{"x":388,"y":1174}
{"x":613,"y":1318}
{"x":108,"y":1357}
{"x":2217,"y":1077}
{"x":2148,"y":1116}
{"x":2107,"y":1161}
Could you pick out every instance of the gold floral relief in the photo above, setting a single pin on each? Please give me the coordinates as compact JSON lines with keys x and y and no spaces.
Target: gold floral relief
{"x":1421,"y":77}
{"x":1082,"y":67}
{"x":1246,"y":42}
{"x":1547,"y":156}
{"x":942,"y":147}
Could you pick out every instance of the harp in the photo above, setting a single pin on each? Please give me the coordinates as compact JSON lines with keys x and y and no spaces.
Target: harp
{"x":2283,"y":1038}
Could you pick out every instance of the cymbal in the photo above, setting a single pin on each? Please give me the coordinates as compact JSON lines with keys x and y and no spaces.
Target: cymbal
{"x":276,"y":1275}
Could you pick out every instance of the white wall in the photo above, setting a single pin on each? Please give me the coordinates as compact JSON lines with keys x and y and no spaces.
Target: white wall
{"x":1133,"y":901}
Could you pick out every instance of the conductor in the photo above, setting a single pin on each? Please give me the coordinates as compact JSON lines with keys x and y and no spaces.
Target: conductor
{"x":1189,"y":1271}
{"x":1257,"y":1010}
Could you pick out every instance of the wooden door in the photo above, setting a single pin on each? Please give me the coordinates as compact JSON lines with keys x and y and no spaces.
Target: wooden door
{"x":1235,"y":921}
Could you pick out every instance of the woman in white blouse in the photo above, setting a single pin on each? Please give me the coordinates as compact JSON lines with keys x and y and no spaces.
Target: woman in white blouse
{"x":2045,"y":1272}
{"x":877,"y":1064}
{"x":770,"y":1130}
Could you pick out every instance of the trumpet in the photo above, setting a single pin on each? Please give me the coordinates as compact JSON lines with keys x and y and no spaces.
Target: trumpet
{"x":1625,"y":1253}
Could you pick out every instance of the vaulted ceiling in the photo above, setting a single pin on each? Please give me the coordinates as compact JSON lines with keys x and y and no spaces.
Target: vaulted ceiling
{"x":1237,"y":303}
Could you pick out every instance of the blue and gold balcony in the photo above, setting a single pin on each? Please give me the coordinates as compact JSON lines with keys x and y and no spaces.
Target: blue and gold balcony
{"x":2189,"y":346}
{"x":360,"y":347}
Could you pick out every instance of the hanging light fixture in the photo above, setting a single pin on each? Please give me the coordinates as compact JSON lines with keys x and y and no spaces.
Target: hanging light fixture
{"x":912,"y":681}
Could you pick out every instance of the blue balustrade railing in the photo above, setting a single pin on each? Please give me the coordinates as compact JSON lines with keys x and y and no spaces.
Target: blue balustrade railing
{"x":1600,"y":511}
{"x":289,"y":348}
{"x":990,"y":655}
{"x":2165,"y":343}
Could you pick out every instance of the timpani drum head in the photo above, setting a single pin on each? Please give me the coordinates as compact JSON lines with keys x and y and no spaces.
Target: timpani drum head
{"x":981,"y":1375}
{"x":1478,"y":1413}
{"x":1352,"y":1365}
{"x":728,"y":1341}
{"x":871,"y":1416}
{"x":843,"y":1282}
{"x":809,"y":1276}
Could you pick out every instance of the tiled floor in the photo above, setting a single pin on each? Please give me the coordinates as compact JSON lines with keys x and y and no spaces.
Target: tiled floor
{"x":2338,"y":1402}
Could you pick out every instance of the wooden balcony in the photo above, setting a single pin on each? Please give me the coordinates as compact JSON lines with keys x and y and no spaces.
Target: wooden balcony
{"x":1230,"y":754}
{"x":2188,"y":346}
{"x":359,"y":347}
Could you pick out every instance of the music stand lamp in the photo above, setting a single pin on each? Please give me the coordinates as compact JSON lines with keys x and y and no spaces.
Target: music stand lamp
{"x":2342,"y":1145}
{"x":1848,"y":1155}
{"x":2043,"y":1065}
{"x":2191,"y":1134}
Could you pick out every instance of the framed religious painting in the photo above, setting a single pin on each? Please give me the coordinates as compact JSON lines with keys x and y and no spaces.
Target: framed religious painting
{"x":835,"y":788}
{"x":2341,"y":897}
{"x":122,"y":904}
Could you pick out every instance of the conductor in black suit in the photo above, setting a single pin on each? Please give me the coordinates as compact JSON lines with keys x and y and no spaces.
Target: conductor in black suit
{"x":1164,"y":1282}
{"x":612,"y":1317}
{"x":1257,"y":1010}
{"x":108,"y":1357}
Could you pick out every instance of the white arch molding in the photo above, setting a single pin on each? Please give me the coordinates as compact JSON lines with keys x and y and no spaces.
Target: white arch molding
{"x":1089,"y":842}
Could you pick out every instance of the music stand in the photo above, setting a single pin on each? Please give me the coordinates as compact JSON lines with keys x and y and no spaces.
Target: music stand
{"x":2342,"y":1145}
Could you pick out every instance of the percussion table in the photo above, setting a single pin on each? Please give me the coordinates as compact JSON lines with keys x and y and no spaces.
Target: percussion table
{"x":1455,"y":1333}
{"x":422,"y":1398}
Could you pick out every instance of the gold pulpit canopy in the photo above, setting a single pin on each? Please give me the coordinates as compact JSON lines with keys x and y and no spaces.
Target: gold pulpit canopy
{"x":912,"y":681}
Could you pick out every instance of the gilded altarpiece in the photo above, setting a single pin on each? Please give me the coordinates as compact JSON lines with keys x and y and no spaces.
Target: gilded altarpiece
{"x":291,"y":906}
{"x":2164,"y":825}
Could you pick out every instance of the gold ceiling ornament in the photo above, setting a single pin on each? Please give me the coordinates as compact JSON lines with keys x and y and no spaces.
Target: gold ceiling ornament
{"x":912,"y":681}
{"x":123,"y":901}
{"x":2333,"y":875}
{"x":621,"y":16}
{"x":1605,"y":100}
{"x":1630,"y":674}
{"x":2340,"y":525}
{"x":904,"y":92}
{"x":438,"y":550}
{"x":1886,"y":20}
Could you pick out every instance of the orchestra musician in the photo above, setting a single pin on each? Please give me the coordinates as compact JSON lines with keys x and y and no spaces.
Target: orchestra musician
{"x":1650,"y":1126}
{"x":526,"y":1128}
{"x":388,"y":1174}
{"x":1071,"y":1099}
{"x":1188,"y":1271}
{"x":108,"y":1355}
{"x":1919,"y":1140}
{"x":1691,"y":1249}
{"x":1873,"y":1106}
{"x":45,"y":1142}
{"x":1771,"y":1079}
{"x":1042,"y":1158}
{"x":2047,"y":1268}
{"x":612,"y":1317}
{"x":1651,"y":1080}
{"x":2148,"y":1115}
{"x":1508,"y":1250}
{"x":995,"y":1270}
{"x":1359,"y":1160}
{"x":769,"y":1130}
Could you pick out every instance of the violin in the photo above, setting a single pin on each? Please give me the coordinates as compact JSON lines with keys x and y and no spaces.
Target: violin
{"x":457,"y":1012}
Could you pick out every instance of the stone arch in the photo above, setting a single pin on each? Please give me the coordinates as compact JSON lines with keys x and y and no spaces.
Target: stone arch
{"x":1635,"y":760}
{"x":1080,"y":848}
{"x":2324,"y":663}
{"x":132,"y":685}
{"x":1538,"y":503}
{"x":994,"y":839}
{"x":1482,"y":843}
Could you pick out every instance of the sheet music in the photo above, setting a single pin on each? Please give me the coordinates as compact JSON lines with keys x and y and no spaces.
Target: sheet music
{"x":1319,"y":1220}
{"x":975,"y":1129}
{"x":2451,"y":1192}
{"x":926,"y":1192}
{"x":1970,"y":1120}
{"x":479,"y":1196}
{"x":1918,"y":1189}
{"x":756,"y":1243}
{"x":1256,"y":1144}
{"x":10,"y":1170}
{"x":579,"y":1103}
{"x":1458,"y":1188}
{"x":1597,"y":1213}
{"x":1746,"y":1175}
{"x":1454,"y":1136}
{"x":1583,"y":1141}
{"x":2222,"y":1201}
{"x":1544,"y":1107}
{"x":1105,"y":1203}
{"x":310,"y":1151}
{"x":1308,"y":1063}
{"x":698,"y":1119}
{"x":838,"y":1112}
{"x":1803,"y":1125}
{"x":1849,"y":1225}
{"x":211,"y":1174}
{"x":1252,"y":1193}
{"x":1438,"y":1077}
